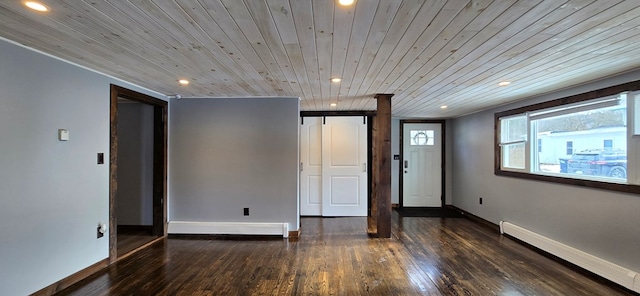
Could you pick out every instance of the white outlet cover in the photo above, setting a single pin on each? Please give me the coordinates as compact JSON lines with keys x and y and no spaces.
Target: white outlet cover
{"x":63,"y":135}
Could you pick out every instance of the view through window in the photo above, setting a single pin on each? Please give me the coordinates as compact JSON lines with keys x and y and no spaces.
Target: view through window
{"x":582,"y":137}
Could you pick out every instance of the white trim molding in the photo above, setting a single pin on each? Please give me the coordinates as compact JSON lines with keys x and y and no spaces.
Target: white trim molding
{"x":611,"y":271}
{"x":239,"y":228}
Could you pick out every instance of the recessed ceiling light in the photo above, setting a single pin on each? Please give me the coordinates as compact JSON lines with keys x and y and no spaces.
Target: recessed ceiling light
{"x":183,"y":81}
{"x":333,"y":104}
{"x":36,"y":6}
{"x":443,"y":107}
{"x":345,"y":2}
{"x":504,"y":83}
{"x":336,"y":80}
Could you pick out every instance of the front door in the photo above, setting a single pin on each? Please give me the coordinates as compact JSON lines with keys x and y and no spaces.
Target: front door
{"x":422,"y":165}
{"x":334,"y":166}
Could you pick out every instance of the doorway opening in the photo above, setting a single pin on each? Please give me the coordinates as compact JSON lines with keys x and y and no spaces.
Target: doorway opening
{"x":422,"y":170}
{"x":334,"y":163}
{"x":138,"y":172}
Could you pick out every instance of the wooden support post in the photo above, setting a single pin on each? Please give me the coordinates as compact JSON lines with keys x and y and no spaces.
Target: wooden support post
{"x":381,"y":198}
{"x":372,"y":219}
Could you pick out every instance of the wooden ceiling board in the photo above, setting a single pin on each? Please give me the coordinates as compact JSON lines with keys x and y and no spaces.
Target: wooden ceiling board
{"x":548,"y":59}
{"x":455,"y":52}
{"x":481,"y":76}
{"x":374,"y":48}
{"x":506,"y":27}
{"x":426,"y":53}
{"x":360,"y":30}
{"x":303,"y":12}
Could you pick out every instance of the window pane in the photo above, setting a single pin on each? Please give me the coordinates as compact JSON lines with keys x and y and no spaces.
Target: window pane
{"x":588,"y":143}
{"x":513,"y":156}
{"x":513,"y":129}
{"x":569,"y":148}
{"x":422,"y":137}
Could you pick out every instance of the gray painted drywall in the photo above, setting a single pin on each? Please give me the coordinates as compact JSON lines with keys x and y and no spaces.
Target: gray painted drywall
{"x":602,"y":223}
{"x":395,"y":164}
{"x":234,"y":153}
{"x":135,"y":164}
{"x":53,"y":193}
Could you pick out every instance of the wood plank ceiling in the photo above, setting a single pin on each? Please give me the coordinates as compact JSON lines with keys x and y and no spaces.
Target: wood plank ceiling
{"x":428,"y":53}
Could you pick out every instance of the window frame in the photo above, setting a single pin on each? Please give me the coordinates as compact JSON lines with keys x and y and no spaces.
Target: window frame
{"x":526,"y":174}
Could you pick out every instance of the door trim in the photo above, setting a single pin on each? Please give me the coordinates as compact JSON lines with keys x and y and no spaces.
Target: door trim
{"x":160,"y":129}
{"x":444,"y":144}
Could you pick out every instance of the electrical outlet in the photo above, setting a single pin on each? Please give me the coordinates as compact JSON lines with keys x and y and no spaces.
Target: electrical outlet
{"x":102,"y":228}
{"x":246,"y":211}
{"x":480,"y":200}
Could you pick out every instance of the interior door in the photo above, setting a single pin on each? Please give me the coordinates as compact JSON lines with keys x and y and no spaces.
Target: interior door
{"x":422,"y":165}
{"x":344,"y":167}
{"x":333,"y":177}
{"x":311,"y":167}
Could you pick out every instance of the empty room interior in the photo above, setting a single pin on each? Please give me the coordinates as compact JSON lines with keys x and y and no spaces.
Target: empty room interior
{"x":319,"y":147}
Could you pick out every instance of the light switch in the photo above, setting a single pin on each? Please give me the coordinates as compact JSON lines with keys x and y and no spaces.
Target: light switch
{"x":63,"y":135}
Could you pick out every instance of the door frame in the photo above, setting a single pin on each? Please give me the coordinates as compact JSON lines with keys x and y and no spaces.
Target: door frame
{"x":444,"y":143}
{"x":160,"y":129}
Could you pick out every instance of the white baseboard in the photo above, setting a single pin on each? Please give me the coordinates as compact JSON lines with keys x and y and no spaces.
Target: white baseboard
{"x":613,"y":272}
{"x":239,"y":228}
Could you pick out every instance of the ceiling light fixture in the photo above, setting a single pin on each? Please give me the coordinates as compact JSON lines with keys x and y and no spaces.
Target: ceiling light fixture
{"x":36,"y":6}
{"x":345,"y":2}
{"x":333,"y":104}
{"x":443,"y":107}
{"x":183,"y":81}
{"x":504,"y":83}
{"x":336,"y":80}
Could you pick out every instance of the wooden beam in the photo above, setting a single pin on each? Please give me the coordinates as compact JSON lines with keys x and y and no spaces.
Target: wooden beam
{"x":336,"y":113}
{"x":372,"y":219}
{"x":382,"y":167}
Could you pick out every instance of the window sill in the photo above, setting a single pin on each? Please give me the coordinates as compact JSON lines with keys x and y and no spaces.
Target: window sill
{"x":597,"y":183}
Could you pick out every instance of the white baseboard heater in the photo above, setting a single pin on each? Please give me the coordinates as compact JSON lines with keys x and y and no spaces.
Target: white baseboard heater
{"x":613,"y":272}
{"x":239,"y":228}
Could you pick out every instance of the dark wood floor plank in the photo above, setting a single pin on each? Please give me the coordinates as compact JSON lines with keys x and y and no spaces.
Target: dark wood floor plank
{"x":335,"y":256}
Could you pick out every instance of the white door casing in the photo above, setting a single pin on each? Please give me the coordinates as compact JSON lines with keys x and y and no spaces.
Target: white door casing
{"x":422,"y":165}
{"x":334,"y":164}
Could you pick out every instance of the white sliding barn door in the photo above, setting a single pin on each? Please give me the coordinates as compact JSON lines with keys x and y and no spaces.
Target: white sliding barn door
{"x":311,"y":166}
{"x":338,"y":186}
{"x":422,"y":165}
{"x":344,"y":167}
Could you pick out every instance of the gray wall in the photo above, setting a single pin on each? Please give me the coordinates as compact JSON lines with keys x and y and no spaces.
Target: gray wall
{"x":230,"y":154}
{"x":53,"y":193}
{"x":602,"y":223}
{"x":135,"y":164}
{"x":395,"y":164}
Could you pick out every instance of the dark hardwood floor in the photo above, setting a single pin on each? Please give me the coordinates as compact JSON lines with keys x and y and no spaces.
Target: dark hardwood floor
{"x":334,"y":256}
{"x":132,"y":237}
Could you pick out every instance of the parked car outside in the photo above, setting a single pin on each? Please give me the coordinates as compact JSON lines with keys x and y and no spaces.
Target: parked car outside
{"x":597,"y":162}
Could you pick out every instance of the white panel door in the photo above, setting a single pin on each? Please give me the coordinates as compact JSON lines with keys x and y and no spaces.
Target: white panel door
{"x":422,"y":165}
{"x":311,"y":166}
{"x":344,"y":167}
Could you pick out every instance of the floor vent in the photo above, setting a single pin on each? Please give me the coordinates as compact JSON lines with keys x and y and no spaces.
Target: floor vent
{"x":616,"y":273}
